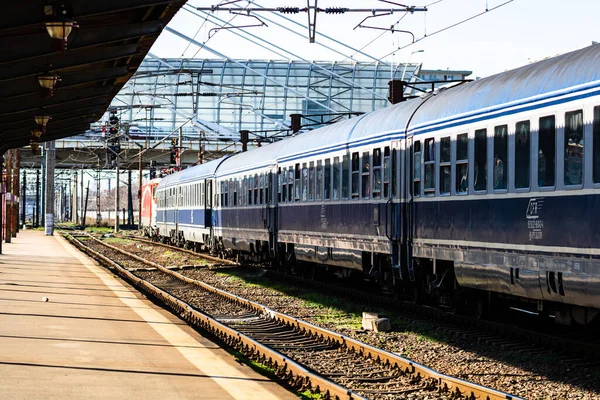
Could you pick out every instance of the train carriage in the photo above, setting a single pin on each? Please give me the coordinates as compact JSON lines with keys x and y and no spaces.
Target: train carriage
{"x":508,"y":186}
{"x":244,"y":204}
{"x":185,"y":211}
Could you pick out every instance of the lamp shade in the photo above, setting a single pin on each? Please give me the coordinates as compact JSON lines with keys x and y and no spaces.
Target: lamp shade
{"x":48,"y":81}
{"x":42,"y":120}
{"x":36,"y":132}
{"x":59,"y":29}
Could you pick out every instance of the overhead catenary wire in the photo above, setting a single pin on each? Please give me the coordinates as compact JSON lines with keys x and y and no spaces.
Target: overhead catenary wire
{"x":450,"y":26}
{"x":349,"y":82}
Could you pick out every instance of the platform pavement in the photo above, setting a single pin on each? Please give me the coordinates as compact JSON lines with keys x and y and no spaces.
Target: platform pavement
{"x":97,"y":337}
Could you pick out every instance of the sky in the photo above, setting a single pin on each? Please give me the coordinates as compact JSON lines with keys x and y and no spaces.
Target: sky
{"x":514,"y":34}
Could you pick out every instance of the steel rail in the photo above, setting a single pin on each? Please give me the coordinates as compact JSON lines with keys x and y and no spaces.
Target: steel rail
{"x":285,"y":367}
{"x":191,"y":252}
{"x":444,"y":382}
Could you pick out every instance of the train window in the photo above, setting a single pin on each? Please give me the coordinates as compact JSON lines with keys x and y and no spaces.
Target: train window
{"x":417,"y":168}
{"x":304,"y":182}
{"x":256,"y":198}
{"x":231,"y":192}
{"x":291,"y":184}
{"x":226,"y":200}
{"x":500,"y":157}
{"x":242,"y":192}
{"x":279,"y":185}
{"x":297,"y":183}
{"x":547,"y":152}
{"x":222,"y":193}
{"x":596,"y":147}
{"x":377,"y":173}
{"x":386,"y":172}
{"x":480,"y":160}
{"x":345,"y":177}
{"x":319,"y":191}
{"x":355,"y":175}
{"x":311,"y":181}
{"x":429,"y":164}
{"x":268,"y":187}
{"x":574,"y":148}
{"x":327,"y":180}
{"x":250,"y":186}
{"x":366,"y":176}
{"x":283,"y":179}
{"x":462,"y":163}
{"x":261,"y":186}
{"x":445,"y":166}
{"x":522,"y":154}
{"x":336,"y":178}
{"x":235,"y":192}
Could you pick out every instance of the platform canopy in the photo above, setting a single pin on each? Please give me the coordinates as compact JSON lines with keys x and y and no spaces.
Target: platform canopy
{"x":107,"y":41}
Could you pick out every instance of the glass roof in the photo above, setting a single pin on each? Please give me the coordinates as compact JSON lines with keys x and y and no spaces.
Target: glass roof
{"x":218,"y":98}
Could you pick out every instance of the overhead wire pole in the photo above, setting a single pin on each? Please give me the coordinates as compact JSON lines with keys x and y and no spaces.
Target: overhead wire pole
{"x":314,"y":10}
{"x":312,"y":20}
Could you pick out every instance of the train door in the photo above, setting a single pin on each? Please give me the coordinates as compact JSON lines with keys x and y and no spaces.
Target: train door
{"x":411,"y":189}
{"x":208,"y":184}
{"x":271,"y":211}
{"x":394,"y":211}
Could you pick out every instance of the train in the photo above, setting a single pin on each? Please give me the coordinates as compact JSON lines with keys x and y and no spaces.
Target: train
{"x":481,"y":193}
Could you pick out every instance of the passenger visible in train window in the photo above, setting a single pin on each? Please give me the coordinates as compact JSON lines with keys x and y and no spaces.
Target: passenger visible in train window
{"x":574,"y":148}
{"x":463,"y":180}
{"x":498,"y":173}
{"x":304,"y":183}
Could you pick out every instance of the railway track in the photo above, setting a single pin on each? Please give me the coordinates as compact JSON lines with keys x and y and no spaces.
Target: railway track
{"x":305,"y":355}
{"x":576,"y":348}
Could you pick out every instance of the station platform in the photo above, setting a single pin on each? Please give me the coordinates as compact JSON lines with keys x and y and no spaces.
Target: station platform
{"x":96,"y":337}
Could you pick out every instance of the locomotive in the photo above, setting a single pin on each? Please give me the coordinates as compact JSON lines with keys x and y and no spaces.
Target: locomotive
{"x":478,"y":193}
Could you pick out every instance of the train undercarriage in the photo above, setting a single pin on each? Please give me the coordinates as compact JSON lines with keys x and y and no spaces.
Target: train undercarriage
{"x":427,"y":281}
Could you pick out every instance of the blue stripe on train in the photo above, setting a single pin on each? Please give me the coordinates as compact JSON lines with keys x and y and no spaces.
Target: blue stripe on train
{"x":565,"y":221}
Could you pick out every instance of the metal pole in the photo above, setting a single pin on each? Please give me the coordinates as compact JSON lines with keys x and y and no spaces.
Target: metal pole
{"x":75,"y":199}
{"x":43,"y":186}
{"x":8,"y":197}
{"x":87,"y":194}
{"x":98,"y":211}
{"x":140,"y":191}
{"x":24,"y":197}
{"x":129,"y":200}
{"x":17,"y":190}
{"x":117,"y":198}
{"x":37,"y":199}
{"x":81,"y":201}
{"x":108,"y":205}
{"x":1,"y":200}
{"x":50,"y":164}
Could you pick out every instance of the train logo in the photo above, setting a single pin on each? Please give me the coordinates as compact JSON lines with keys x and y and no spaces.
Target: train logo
{"x":533,"y":208}
{"x":534,"y":224}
